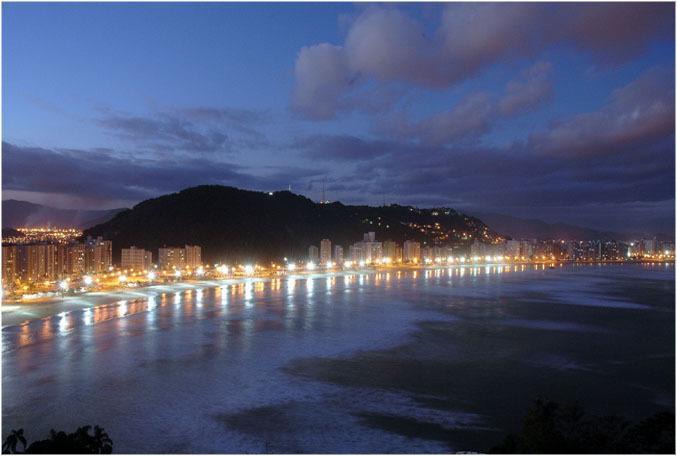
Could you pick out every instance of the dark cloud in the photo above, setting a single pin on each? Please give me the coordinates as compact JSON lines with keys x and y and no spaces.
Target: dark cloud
{"x":102,"y":175}
{"x":636,"y":114}
{"x":527,"y":92}
{"x":475,"y":113}
{"x":198,"y":129}
{"x":385,"y":45}
{"x":621,"y":155}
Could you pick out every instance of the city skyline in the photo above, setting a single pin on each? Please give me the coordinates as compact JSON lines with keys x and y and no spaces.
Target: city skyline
{"x":556,"y":119}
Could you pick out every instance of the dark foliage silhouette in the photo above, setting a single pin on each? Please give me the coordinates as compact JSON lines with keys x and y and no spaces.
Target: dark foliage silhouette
{"x":551,"y":428}
{"x":234,"y":224}
{"x":59,"y":442}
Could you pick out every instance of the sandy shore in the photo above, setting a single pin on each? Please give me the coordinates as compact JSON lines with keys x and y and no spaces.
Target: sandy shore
{"x":16,"y":313}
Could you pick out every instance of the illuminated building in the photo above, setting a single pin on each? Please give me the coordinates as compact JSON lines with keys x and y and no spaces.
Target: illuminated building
{"x":313,"y":254}
{"x":172,"y":257}
{"x":193,"y":256}
{"x":338,"y":254}
{"x":137,"y":259}
{"x":390,"y":250}
{"x":10,"y":257}
{"x":98,"y":255}
{"x":412,"y":251}
{"x":356,"y":252}
{"x":325,"y":251}
{"x":512,"y":248}
{"x":76,"y":263}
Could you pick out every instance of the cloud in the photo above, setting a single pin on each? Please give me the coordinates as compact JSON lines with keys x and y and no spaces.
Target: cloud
{"x":637,"y":114}
{"x":475,"y":113}
{"x":197,"y":129}
{"x":526,"y":93}
{"x":386,"y":45}
{"x":104,"y":175}
{"x":322,"y":76}
{"x":621,"y":154}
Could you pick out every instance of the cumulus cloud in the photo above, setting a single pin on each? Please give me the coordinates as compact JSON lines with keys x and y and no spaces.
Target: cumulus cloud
{"x":386,"y":45}
{"x":621,"y":154}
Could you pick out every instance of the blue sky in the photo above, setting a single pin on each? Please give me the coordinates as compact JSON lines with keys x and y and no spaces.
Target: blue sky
{"x":559,"y":112}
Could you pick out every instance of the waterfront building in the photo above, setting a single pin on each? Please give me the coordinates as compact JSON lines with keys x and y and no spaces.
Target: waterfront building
{"x":369,"y":237}
{"x":325,"y":251}
{"x":512,"y":248}
{"x":10,"y":258}
{"x":98,"y":255}
{"x":137,"y":259}
{"x":313,"y":254}
{"x":338,"y":254}
{"x":76,"y":261}
{"x":171,"y":258}
{"x":356,"y":252}
{"x":390,"y":250}
{"x":412,"y":251}
{"x":193,"y":256}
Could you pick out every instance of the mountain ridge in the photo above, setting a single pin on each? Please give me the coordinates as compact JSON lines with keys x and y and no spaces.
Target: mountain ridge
{"x":17,"y":213}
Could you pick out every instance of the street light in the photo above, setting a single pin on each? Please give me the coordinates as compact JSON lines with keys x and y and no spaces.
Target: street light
{"x":87,"y":280}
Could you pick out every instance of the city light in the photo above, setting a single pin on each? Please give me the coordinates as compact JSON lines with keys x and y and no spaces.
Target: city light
{"x":177,"y":273}
{"x":63,"y":285}
{"x":362,"y":263}
{"x":222,"y":269}
{"x":122,"y":278}
{"x":249,"y":269}
{"x":310,"y":266}
{"x":151,"y":275}
{"x":330,"y":264}
{"x":87,"y":280}
{"x":200,"y":271}
{"x":347,"y":264}
{"x":291,"y":267}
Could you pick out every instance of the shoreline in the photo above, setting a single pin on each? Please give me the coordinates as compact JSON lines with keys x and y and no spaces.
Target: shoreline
{"x":17,"y":313}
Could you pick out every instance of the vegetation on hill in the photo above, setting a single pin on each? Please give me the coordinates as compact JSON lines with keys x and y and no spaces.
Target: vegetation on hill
{"x":234,"y":224}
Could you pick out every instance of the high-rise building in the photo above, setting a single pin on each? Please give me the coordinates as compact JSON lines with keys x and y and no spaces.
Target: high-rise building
{"x":137,"y":259}
{"x":10,"y":258}
{"x":412,"y":251}
{"x":369,"y":237}
{"x":390,"y":250}
{"x":172,"y":258}
{"x":77,"y":264}
{"x":98,"y":255}
{"x":338,"y":254}
{"x":356,"y":252}
{"x":313,"y":254}
{"x":512,"y":248}
{"x":193,"y":256}
{"x":325,"y":251}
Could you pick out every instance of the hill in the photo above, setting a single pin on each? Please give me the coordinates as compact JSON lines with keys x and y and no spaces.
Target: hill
{"x":234,"y":224}
{"x":17,"y":213}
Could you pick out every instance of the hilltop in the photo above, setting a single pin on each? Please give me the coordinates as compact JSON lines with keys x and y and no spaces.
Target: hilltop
{"x":235,"y":224}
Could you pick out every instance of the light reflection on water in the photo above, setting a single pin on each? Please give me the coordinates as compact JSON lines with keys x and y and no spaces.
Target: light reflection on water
{"x":237,"y":321}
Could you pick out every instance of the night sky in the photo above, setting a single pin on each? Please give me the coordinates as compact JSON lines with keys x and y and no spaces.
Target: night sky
{"x":560,"y":112}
